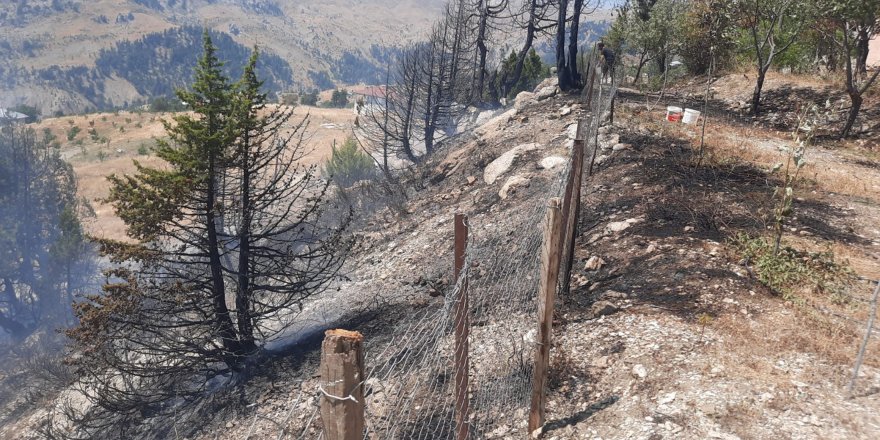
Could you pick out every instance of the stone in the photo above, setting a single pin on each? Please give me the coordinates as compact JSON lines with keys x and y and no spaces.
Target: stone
{"x":618,"y":226}
{"x":471,"y":180}
{"x":523,"y":99}
{"x":548,"y":163}
{"x":565,"y":111}
{"x":594,"y":263}
{"x":666,"y":399}
{"x":546,"y":93}
{"x":639,"y":371}
{"x":601,"y":362}
{"x":603,"y":308}
{"x":512,"y":183}
{"x":503,"y":163}
{"x":549,"y":82}
{"x":621,"y":147}
{"x":571,"y":131}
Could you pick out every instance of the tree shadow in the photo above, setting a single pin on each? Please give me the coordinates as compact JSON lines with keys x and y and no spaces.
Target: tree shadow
{"x":580,"y":416}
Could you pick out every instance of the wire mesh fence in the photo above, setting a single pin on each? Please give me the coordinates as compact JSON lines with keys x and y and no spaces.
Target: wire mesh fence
{"x":411,"y":380}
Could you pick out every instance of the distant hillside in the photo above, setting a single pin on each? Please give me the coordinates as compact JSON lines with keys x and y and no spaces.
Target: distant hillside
{"x":77,"y":55}
{"x":71,"y":56}
{"x":158,"y":63}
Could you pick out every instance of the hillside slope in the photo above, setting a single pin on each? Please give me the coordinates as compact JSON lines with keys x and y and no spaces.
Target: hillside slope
{"x":61,"y":35}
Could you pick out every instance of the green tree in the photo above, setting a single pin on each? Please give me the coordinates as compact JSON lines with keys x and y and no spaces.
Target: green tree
{"x":348,"y":164}
{"x":309,"y":98}
{"x":853,"y":24}
{"x":534,"y":70}
{"x":339,"y":98}
{"x":228,"y":237}
{"x":772,"y":27}
{"x":39,"y":255}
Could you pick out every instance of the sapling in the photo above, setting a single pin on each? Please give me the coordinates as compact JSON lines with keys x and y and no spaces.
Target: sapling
{"x":784,"y":195}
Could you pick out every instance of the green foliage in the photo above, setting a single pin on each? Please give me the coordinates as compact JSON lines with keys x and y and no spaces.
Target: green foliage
{"x":789,"y":271}
{"x":534,"y":71}
{"x":164,"y":104}
{"x":31,"y":112}
{"x":339,"y":98}
{"x":37,"y":222}
{"x":48,"y":136}
{"x":707,"y":32}
{"x":73,"y":132}
{"x":784,"y":195}
{"x":143,"y":150}
{"x":348,"y":164}
{"x":651,"y":31}
{"x":309,"y":98}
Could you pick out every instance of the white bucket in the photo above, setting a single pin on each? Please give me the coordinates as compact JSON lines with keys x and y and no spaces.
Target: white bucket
{"x":673,"y":114}
{"x":691,"y":116}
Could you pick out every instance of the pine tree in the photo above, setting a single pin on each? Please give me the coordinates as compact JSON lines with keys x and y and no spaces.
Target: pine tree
{"x":226,"y":239}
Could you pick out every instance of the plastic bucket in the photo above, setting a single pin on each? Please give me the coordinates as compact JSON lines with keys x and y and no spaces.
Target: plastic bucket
{"x":691,"y":116}
{"x":673,"y":114}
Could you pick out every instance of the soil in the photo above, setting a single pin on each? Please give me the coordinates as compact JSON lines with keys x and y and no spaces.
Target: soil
{"x":667,"y":334}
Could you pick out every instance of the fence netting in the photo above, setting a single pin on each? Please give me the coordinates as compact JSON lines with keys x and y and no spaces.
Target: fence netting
{"x":410,"y":380}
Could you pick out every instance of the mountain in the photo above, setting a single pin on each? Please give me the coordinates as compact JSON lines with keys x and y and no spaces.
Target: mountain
{"x":77,"y":55}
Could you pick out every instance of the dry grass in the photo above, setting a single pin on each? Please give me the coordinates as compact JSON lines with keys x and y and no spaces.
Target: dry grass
{"x":94,"y":161}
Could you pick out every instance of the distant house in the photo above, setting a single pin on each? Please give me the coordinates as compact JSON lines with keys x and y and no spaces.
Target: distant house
{"x":10,"y":117}
{"x":368,"y":95}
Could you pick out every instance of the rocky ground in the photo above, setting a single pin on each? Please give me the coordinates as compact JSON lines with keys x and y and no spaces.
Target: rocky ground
{"x":668,"y":335}
{"x":666,"y":332}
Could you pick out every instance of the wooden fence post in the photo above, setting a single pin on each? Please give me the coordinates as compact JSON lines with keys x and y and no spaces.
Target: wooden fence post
{"x":546,"y":299}
{"x":571,"y":221}
{"x":571,"y":207}
{"x":342,"y":377}
{"x":462,"y":330}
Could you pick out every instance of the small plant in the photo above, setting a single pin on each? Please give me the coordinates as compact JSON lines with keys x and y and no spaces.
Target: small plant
{"x":104,"y":118}
{"x":128,"y":120}
{"x":349,"y":165}
{"x":704,"y":319}
{"x":92,"y":123}
{"x":48,"y":136}
{"x":122,"y":129}
{"x":788,"y":272}
{"x":70,"y":122}
{"x":94,"y":135}
{"x":143,"y":150}
{"x":784,"y":195}
{"x":73,"y":132}
{"x":139,"y":125}
{"x":102,"y":155}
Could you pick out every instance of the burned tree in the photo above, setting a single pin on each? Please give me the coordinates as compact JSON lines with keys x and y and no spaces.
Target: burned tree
{"x":226,"y":241}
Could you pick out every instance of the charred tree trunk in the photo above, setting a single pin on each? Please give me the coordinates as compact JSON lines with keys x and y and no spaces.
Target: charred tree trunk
{"x":573,"y":41}
{"x":531,"y":29}
{"x":243,"y":296}
{"x":222,"y":320}
{"x":562,"y":72}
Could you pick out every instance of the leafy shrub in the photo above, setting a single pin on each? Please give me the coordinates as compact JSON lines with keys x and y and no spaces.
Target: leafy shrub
{"x":71,"y":134}
{"x":309,"y":99}
{"x":339,"y":99}
{"x":790,"y":271}
{"x":349,"y":165}
{"x":143,"y":150}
